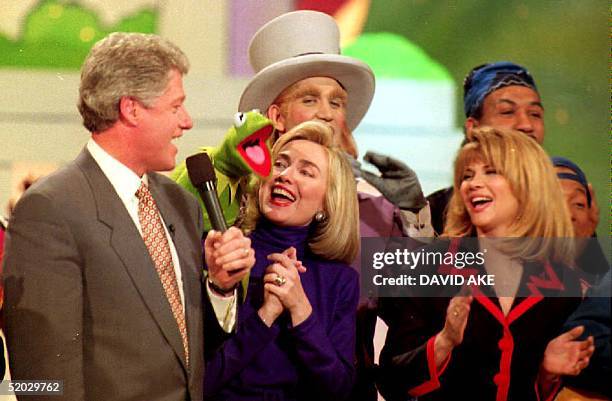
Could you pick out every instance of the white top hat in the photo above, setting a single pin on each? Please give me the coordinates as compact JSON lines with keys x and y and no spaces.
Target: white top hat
{"x":299,"y":45}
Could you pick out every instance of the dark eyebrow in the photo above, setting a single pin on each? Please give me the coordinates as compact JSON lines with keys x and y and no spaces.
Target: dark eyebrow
{"x":283,"y":156}
{"x":539,"y":104}
{"x":513,"y":103}
{"x":579,"y":190}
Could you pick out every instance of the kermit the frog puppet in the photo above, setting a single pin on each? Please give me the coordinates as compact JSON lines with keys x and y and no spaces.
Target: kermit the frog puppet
{"x":244,"y":150}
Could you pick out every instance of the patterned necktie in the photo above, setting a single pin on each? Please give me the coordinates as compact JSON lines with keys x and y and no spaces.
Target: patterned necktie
{"x":157,"y":243}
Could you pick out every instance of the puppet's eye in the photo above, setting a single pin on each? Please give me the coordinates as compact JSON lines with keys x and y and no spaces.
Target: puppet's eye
{"x":239,"y":119}
{"x":256,"y":111}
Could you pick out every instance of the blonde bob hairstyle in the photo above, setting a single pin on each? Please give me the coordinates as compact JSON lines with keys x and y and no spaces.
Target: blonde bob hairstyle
{"x":337,"y":236}
{"x":542,"y":217}
{"x":125,"y":64}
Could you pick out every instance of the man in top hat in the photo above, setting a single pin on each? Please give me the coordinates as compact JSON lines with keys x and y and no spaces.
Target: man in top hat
{"x":301,"y":76}
{"x":308,"y":79}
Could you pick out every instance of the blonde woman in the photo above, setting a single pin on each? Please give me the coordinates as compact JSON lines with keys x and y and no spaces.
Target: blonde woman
{"x":296,"y":329}
{"x":498,"y":342}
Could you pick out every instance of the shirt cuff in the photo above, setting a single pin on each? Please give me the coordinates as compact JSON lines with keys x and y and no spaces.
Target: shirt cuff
{"x":225,"y":309}
{"x":433,"y":383}
{"x":552,"y":393}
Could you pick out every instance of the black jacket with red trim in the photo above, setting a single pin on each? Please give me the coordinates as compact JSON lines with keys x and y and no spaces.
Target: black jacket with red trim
{"x":500,"y":355}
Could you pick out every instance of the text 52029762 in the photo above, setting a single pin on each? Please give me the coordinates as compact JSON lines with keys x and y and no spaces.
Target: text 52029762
{"x":32,"y":387}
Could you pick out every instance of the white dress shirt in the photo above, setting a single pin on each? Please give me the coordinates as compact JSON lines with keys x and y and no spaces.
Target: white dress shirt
{"x":126,"y":183}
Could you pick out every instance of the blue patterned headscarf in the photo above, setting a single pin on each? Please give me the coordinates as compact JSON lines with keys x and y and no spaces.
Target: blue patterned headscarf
{"x":577,"y":175}
{"x":487,"y":78}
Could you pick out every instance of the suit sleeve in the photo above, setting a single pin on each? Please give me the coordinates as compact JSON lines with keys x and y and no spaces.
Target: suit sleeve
{"x":44,"y":297}
{"x":328,"y":354}
{"x":407,"y":363}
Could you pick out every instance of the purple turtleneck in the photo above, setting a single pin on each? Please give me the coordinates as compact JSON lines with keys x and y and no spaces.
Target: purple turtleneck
{"x":313,"y":360}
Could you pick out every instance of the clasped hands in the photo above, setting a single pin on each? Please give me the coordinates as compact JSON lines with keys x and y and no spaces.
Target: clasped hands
{"x":283,"y":289}
{"x":229,"y":258}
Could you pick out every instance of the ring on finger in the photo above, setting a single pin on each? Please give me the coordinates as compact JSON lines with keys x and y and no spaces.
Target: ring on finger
{"x":455,"y":312}
{"x":245,"y":251}
{"x":279,"y":280}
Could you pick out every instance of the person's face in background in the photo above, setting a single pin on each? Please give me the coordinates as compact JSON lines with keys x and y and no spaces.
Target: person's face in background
{"x":512,"y":107}
{"x":295,"y":190}
{"x":576,"y":199}
{"x":488,"y":199}
{"x":317,"y":98}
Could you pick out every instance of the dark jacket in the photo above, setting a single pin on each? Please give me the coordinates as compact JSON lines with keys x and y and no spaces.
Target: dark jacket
{"x":499,"y":356}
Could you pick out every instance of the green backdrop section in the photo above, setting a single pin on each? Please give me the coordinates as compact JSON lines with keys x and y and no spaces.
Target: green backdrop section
{"x":58,"y":36}
{"x":393,"y":56}
{"x":565,"y":44}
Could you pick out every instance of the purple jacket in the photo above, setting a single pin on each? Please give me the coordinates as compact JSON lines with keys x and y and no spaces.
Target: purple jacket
{"x":314,"y":360}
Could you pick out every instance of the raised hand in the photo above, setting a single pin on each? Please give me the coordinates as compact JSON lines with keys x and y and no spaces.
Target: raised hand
{"x":565,"y":355}
{"x":397,"y":182}
{"x":229,"y":257}
{"x":457,"y":315}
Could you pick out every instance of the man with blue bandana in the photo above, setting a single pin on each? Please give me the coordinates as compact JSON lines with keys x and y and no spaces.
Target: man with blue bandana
{"x":503,"y":95}
{"x":500,"y":95}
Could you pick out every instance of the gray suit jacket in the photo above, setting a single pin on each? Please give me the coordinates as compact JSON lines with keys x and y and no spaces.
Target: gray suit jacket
{"x":83,"y":302}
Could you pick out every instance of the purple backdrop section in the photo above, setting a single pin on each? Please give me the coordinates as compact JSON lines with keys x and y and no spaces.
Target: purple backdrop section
{"x":247,"y":16}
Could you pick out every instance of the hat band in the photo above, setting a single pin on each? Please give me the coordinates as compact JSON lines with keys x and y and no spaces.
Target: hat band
{"x":306,"y":54}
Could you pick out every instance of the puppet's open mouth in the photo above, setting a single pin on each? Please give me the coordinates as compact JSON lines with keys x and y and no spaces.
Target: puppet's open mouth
{"x":255,"y":153}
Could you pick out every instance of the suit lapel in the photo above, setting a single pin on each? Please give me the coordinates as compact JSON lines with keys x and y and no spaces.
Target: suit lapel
{"x":131,"y":250}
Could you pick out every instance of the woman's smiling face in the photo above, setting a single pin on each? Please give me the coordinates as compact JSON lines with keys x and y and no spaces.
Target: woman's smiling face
{"x":489,"y":200}
{"x":295,"y":190}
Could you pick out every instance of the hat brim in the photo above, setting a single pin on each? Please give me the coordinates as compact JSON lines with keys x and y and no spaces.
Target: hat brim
{"x":355,"y":77}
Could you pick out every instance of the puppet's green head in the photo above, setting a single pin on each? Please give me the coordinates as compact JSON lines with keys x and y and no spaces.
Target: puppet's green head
{"x":245,"y":148}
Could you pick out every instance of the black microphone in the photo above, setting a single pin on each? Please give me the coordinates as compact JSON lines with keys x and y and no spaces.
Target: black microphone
{"x":171,"y":230}
{"x":202,"y":175}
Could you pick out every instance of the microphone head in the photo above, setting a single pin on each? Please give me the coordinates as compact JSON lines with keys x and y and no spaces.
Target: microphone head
{"x":200,"y":169}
